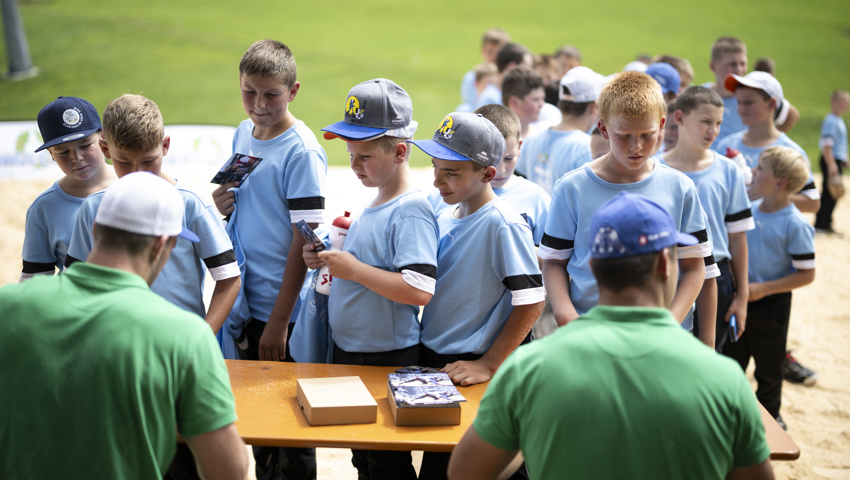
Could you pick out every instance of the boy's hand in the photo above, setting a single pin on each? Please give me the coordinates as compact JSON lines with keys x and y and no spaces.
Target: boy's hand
{"x":311,"y":258}
{"x":738,"y":307}
{"x":340,"y":264}
{"x":466,"y":373}
{"x":224,"y":198}
{"x":757,"y":291}
{"x":273,"y":343}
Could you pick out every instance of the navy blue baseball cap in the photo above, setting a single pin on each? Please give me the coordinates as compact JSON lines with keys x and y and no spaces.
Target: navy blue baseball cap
{"x":465,"y":136}
{"x":373,"y":109}
{"x":630,"y":225}
{"x":67,"y":119}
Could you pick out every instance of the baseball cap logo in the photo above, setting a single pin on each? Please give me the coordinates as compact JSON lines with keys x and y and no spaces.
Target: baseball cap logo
{"x":607,"y":242}
{"x":352,"y":107}
{"x":72,"y":118}
{"x":446,"y":128}
{"x":642,"y":240}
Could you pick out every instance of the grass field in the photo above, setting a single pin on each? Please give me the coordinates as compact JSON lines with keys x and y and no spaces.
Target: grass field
{"x":184,"y":54}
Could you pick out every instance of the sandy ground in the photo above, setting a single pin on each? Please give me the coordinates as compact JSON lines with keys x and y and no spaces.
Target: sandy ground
{"x":818,"y":417}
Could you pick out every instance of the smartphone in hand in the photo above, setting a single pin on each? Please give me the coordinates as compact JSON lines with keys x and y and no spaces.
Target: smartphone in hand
{"x":310,"y":236}
{"x":733,"y":329}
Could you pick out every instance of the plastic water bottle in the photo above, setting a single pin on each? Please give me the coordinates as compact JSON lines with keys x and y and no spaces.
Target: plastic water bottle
{"x":339,"y":230}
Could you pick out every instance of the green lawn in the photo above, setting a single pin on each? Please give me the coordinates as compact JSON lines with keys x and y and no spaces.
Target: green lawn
{"x":184,"y":54}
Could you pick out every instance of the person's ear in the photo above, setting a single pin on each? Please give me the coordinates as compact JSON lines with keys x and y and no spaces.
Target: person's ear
{"x":166,"y":144}
{"x":603,"y":129}
{"x":401,"y":149}
{"x":104,"y":147}
{"x":294,"y":91}
{"x":158,"y":248}
{"x":489,"y":174}
{"x":679,"y":117}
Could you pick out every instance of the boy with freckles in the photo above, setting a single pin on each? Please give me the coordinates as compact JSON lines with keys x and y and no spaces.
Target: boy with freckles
{"x":631,"y":117}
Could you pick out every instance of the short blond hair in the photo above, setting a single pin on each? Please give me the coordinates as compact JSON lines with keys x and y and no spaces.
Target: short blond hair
{"x":132,"y":123}
{"x":495,"y":36}
{"x":631,"y":95}
{"x":837,"y":94}
{"x":724,"y":45}
{"x":787,"y":164}
{"x":388,"y":144}
{"x":269,"y":58}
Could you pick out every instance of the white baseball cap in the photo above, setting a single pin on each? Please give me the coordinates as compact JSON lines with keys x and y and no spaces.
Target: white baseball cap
{"x":581,"y":85}
{"x":144,"y":204}
{"x":759,"y":80}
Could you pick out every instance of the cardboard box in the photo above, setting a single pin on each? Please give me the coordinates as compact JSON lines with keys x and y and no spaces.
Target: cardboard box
{"x":336,"y":401}
{"x":406,"y":415}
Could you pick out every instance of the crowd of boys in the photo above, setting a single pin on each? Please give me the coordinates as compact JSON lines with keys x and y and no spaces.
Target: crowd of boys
{"x":629,"y":249}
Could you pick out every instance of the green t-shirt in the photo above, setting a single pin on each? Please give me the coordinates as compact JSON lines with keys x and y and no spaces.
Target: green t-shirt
{"x":96,"y":373}
{"x":623,"y":393}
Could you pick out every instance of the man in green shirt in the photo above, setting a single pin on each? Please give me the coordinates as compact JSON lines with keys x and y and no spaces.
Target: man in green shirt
{"x":624,"y":391}
{"x":97,"y":370}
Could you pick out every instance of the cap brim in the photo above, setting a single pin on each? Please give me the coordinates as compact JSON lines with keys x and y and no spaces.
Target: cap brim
{"x":438,"y":151}
{"x":347,"y":131}
{"x":732,"y":81}
{"x":66,"y":139}
{"x":686,"y":239}
{"x":189,"y":235}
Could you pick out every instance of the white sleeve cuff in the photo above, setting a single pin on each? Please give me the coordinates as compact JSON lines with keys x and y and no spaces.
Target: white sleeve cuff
{"x":419,"y":281}
{"x":528,"y":296}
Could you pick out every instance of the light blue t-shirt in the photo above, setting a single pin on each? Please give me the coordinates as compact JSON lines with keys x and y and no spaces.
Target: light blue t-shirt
{"x":181,"y":281}
{"x":47,"y":231}
{"x":731,"y":122}
{"x":782,"y":243}
{"x":486,"y":266}
{"x":285,"y":187}
{"x":723,"y":196}
{"x":546,"y":157}
{"x":580,"y":193}
{"x":530,"y":201}
{"x":398,"y":236}
{"x":468,"y":92}
{"x":526,"y":198}
{"x":833,"y":132}
{"x":751,"y":154}
{"x":490,"y":95}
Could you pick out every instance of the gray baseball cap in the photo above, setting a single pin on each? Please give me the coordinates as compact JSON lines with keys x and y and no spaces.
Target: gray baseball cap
{"x":373,"y":109}
{"x":465,"y":136}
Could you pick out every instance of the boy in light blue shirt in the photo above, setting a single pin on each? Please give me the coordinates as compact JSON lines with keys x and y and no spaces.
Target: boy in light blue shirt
{"x":388,"y":266}
{"x":489,"y":289}
{"x":723,"y":194}
{"x":833,"y":157}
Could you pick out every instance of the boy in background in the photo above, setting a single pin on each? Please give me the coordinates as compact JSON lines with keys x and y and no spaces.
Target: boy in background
{"x":552,"y":153}
{"x":723,"y":195}
{"x":682,"y":66}
{"x":668,"y":78}
{"x":134,"y":139}
{"x":285,"y":188}
{"x":598,"y":144}
{"x":728,"y":56}
{"x":758,"y":96}
{"x":833,"y":156}
{"x":523,"y":93}
{"x":484,"y":74}
{"x":71,"y":130}
{"x":781,"y":258}
{"x":492,"y":40}
{"x":388,"y":265}
{"x":631,"y":116}
{"x":489,"y":290}
{"x":510,"y":56}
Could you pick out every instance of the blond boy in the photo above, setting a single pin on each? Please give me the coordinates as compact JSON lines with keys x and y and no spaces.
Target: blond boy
{"x":134,"y":139}
{"x":781,"y":259}
{"x":631,"y":115}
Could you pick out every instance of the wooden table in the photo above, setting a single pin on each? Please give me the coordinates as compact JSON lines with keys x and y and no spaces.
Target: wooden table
{"x":269,"y":413}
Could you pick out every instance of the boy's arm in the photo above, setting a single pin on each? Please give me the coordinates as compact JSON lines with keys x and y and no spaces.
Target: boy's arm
{"x":220,"y":454}
{"x":223,"y":297}
{"x":829,"y":159}
{"x":691,"y":279}
{"x":516,"y":328}
{"x":475,"y":458}
{"x":390,"y":285}
{"x":805,"y":204}
{"x":707,"y":311}
{"x":557,"y":284}
{"x":738,"y":263}
{"x":224,"y":198}
{"x":273,"y":341}
{"x":785,"y":284}
{"x":790,"y":120}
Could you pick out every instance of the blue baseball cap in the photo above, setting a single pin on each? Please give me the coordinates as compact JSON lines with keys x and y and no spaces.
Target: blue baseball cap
{"x":630,"y":225}
{"x":375,"y":108}
{"x":67,"y":119}
{"x":465,"y":136}
{"x":666,"y":76}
